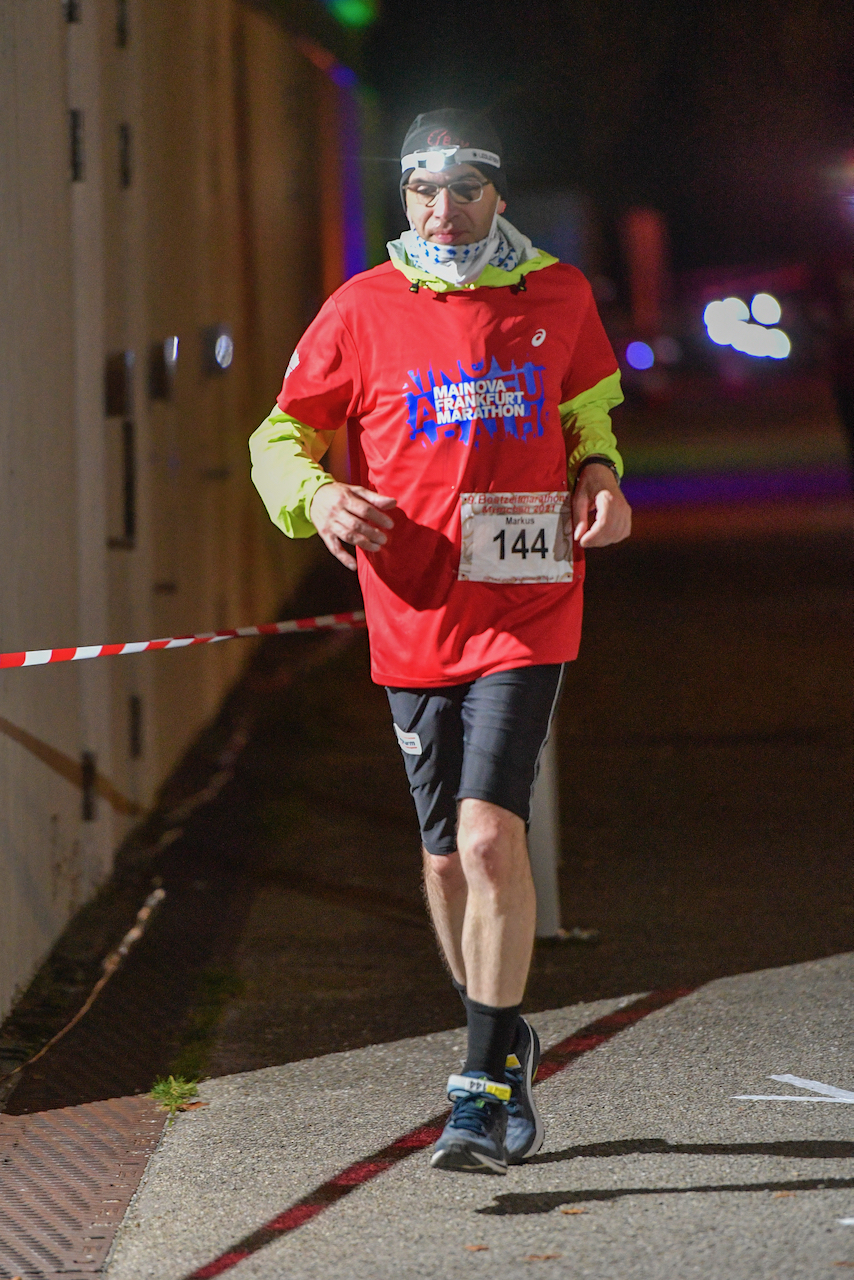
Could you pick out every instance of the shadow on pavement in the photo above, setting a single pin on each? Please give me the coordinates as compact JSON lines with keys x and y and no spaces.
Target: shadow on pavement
{"x":797,"y":1150}
{"x":545,"y":1201}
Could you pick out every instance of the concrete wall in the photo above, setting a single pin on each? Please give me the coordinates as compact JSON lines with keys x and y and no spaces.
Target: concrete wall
{"x":194,"y":204}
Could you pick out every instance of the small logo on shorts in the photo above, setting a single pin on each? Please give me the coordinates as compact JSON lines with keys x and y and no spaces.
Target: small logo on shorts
{"x":409,"y":742}
{"x":292,"y":363}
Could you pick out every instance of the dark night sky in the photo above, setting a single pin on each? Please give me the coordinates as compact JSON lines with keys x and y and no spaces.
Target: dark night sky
{"x":723,"y":114}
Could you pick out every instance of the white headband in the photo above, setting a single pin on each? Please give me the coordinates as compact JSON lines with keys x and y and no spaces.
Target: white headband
{"x":443,"y":157}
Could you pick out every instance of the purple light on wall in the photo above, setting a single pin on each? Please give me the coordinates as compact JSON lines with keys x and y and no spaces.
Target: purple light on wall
{"x":352,"y":204}
{"x":738,"y":486}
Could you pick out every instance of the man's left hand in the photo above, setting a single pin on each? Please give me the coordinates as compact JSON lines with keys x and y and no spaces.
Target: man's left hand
{"x":600,"y":513}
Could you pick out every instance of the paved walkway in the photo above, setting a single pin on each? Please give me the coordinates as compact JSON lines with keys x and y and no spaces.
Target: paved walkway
{"x":651,"y":1167}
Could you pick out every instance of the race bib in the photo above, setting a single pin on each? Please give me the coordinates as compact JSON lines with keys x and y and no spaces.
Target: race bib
{"x":515,"y":537}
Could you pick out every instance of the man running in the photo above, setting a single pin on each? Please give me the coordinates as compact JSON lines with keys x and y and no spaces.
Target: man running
{"x":475,"y":381}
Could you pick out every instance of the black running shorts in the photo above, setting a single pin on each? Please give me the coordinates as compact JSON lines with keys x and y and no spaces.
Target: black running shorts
{"x":480,"y":741}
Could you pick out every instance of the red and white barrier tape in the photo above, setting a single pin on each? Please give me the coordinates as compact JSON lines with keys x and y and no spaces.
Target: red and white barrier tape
{"x":39,"y":657}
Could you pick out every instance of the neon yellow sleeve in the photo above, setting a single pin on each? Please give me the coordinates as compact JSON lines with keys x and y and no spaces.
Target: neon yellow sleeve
{"x":286,"y":470}
{"x":586,"y":421}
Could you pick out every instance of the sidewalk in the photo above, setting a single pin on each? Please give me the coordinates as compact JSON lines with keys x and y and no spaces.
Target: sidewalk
{"x":650,"y":1169}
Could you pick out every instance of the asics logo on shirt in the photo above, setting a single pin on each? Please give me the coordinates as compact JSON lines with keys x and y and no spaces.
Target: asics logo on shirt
{"x":538,"y":338}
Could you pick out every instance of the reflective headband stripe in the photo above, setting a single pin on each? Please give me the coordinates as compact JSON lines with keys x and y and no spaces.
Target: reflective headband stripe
{"x":443,"y":157}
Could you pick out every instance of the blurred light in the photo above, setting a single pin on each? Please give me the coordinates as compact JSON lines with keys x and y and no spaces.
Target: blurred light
{"x":640,"y":355}
{"x":720,"y":317}
{"x":170,"y":351}
{"x":217,"y":348}
{"x":727,"y":325}
{"x":755,"y":341}
{"x":343,"y":76}
{"x":667,"y":350}
{"x":352,"y":13}
{"x":840,"y":180}
{"x":224,"y":350}
{"x":765,"y":308}
{"x":779,"y":346}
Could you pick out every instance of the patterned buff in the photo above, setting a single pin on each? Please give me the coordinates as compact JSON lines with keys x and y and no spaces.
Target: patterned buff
{"x":462,"y":263}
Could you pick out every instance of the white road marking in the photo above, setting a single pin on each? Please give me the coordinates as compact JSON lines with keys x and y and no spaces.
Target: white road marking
{"x":829,"y":1093}
{"x":843,"y":1095}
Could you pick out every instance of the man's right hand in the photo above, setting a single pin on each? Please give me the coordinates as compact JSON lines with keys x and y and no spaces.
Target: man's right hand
{"x":348,"y":513}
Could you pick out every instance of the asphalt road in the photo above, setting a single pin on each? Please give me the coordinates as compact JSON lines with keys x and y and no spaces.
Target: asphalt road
{"x":651,"y":1169}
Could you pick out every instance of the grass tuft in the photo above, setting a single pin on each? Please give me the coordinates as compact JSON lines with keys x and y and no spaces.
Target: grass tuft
{"x":173,"y":1093}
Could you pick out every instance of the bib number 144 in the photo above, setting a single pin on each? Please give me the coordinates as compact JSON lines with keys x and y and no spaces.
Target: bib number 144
{"x":520,"y":544}
{"x":515,"y":538}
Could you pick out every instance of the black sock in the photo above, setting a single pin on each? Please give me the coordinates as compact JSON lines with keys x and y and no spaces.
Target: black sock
{"x":460,"y":988}
{"x":491,"y":1035}
{"x":518,"y":1036}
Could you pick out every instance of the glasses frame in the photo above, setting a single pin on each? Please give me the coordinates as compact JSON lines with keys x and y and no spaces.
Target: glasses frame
{"x":448,"y":186}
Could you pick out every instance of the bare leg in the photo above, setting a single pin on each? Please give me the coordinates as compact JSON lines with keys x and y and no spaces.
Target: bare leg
{"x":483,"y":905}
{"x":500,"y":912}
{"x":446,"y":890}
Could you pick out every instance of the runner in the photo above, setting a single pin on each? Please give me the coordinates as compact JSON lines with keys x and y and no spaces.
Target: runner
{"x":475,"y":381}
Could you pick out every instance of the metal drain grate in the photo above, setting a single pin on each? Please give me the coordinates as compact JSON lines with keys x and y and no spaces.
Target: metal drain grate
{"x":66,"y":1179}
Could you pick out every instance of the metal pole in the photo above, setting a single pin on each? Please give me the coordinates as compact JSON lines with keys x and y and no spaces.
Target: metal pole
{"x":544,"y":844}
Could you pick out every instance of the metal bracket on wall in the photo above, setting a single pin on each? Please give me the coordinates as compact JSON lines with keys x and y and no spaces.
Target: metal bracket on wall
{"x":162,"y":360}
{"x":125,"y":156}
{"x":135,"y":726}
{"x":88,"y":778}
{"x":122,"y":33}
{"x":127,"y":540}
{"x":118,"y":384}
{"x":75,"y":143}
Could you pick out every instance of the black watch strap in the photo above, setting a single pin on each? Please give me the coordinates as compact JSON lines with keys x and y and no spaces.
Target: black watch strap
{"x":600,"y":458}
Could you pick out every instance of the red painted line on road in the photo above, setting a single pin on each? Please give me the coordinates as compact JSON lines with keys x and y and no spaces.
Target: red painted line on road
{"x":554,"y":1060}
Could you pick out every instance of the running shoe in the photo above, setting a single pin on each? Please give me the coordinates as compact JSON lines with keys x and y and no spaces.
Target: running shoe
{"x":524,"y":1123}
{"x":473,"y":1139}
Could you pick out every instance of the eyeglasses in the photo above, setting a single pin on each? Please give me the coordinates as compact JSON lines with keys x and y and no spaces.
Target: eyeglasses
{"x":463,"y":191}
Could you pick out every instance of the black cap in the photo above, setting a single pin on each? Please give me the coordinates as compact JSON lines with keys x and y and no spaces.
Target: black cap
{"x":469,"y":131}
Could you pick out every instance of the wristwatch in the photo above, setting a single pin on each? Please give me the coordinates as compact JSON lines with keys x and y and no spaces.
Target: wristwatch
{"x":602,"y":460}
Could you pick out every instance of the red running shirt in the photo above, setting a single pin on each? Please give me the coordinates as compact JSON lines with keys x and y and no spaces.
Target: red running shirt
{"x":373,"y":358}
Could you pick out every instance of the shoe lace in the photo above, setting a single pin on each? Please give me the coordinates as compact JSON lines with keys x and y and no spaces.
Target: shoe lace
{"x":473,"y":1113}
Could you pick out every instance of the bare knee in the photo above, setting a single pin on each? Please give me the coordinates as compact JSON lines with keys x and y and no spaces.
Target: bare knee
{"x":443,"y":869}
{"x":491,"y":844}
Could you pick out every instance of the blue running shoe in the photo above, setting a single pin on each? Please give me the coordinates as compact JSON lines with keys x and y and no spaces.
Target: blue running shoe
{"x":525,"y":1131}
{"x":473,"y":1139}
